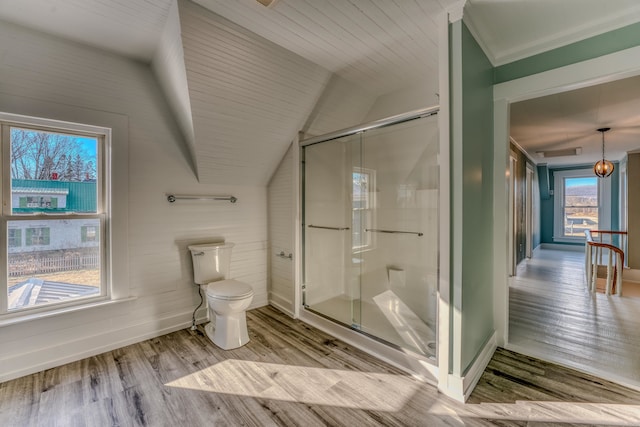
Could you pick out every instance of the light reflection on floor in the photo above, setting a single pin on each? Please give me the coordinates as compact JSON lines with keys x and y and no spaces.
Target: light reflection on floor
{"x":384,"y":392}
{"x":314,"y":386}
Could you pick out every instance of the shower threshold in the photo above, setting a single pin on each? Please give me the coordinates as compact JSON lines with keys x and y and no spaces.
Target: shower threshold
{"x":400,"y":329}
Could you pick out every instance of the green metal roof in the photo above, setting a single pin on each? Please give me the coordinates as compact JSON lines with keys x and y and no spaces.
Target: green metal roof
{"x":80,"y":196}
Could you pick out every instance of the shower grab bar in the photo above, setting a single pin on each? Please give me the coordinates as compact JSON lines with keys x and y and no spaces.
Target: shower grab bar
{"x":173,"y":197}
{"x":394,"y":231}
{"x":328,"y":228}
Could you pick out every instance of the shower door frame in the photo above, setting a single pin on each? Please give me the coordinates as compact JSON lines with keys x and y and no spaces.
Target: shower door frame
{"x":359,"y":129}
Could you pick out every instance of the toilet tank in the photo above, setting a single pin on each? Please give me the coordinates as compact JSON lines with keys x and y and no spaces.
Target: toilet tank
{"x":211,"y":262}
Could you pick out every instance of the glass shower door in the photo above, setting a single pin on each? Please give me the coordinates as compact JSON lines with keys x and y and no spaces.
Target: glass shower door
{"x":331,"y":279}
{"x":399,"y":254}
{"x":371,"y":232}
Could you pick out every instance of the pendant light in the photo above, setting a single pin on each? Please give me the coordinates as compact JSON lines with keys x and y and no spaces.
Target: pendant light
{"x":603,"y":168}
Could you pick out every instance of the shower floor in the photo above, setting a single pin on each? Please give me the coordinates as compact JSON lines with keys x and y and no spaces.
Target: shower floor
{"x":386,"y":317}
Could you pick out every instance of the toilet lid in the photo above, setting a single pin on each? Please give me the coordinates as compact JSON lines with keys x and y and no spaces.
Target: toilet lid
{"x":229,"y":290}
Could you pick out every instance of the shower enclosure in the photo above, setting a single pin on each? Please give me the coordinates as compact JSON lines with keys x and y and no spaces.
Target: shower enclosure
{"x":370,"y":229}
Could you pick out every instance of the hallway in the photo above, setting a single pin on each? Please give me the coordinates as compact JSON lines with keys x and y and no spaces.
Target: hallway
{"x":552,"y":316}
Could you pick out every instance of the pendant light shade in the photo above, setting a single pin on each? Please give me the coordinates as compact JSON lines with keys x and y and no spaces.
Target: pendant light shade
{"x":603,"y":168}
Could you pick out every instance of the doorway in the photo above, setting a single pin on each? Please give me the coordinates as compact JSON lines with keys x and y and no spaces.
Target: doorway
{"x":581,"y":75}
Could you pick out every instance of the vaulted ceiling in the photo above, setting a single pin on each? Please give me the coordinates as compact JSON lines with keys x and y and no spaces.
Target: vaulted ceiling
{"x":243,"y":79}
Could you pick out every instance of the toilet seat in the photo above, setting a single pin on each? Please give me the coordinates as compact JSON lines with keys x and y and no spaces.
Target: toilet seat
{"x":229,"y":290}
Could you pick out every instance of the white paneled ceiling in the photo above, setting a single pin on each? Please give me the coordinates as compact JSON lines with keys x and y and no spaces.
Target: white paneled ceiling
{"x":570,"y":119}
{"x":249,"y":97}
{"x":382,"y":45}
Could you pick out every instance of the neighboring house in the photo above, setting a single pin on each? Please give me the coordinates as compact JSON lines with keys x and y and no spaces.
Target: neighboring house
{"x":62,"y":197}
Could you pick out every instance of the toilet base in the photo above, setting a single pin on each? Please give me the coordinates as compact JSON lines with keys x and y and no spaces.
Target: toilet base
{"x":229,"y":331}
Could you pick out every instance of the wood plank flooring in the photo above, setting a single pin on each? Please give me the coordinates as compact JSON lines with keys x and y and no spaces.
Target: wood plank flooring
{"x":553,"y":316}
{"x":291,"y":374}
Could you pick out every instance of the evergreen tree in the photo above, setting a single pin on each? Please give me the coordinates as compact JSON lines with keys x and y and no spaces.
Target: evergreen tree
{"x":78,"y":169}
{"x":89,"y":171}
{"x":68,"y":171}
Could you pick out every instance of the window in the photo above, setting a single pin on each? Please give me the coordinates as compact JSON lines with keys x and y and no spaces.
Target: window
{"x":89,"y":233}
{"x":53,"y":197}
{"x":37,"y":236}
{"x":38,"y":202}
{"x":580,"y":204}
{"x":362,"y":208}
{"x":14,"y":238}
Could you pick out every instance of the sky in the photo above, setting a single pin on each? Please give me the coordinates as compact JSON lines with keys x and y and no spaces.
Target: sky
{"x":574,"y":182}
{"x":89,"y":145}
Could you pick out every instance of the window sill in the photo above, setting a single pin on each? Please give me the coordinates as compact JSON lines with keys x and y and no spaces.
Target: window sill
{"x":16,"y":318}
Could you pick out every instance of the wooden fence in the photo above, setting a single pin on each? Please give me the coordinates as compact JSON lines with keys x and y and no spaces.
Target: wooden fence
{"x":22,"y":265}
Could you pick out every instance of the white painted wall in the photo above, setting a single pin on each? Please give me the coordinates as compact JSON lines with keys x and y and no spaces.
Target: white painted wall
{"x":343,"y":104}
{"x":43,"y":75}
{"x":281,"y":239}
{"x":413,"y":97}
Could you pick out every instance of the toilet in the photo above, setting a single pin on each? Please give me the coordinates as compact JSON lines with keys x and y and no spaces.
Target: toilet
{"x":228,"y":299}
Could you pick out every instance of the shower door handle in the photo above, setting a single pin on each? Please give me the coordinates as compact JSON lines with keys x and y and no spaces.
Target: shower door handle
{"x":375,"y":230}
{"x":328,"y":228}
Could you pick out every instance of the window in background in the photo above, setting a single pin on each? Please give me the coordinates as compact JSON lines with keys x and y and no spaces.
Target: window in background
{"x":363,"y":192}
{"x":580,"y":206}
{"x":581,"y":202}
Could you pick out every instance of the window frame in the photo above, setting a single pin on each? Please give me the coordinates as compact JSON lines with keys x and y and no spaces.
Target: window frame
{"x":604,"y":200}
{"x":103,"y":179}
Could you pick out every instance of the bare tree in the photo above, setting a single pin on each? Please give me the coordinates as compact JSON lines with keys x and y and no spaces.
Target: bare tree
{"x":38,"y":155}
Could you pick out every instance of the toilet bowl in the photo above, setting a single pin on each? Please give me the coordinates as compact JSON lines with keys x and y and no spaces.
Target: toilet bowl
{"x":228,"y":301}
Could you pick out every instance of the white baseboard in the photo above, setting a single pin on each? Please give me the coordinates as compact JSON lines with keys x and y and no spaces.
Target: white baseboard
{"x":460,"y":388}
{"x":475,"y":371}
{"x":562,"y":247}
{"x":631,"y":275}
{"x":67,"y":352}
{"x":282,"y":304}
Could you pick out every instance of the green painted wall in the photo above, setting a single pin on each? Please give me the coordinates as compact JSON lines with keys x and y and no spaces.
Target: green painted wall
{"x":593,"y":47}
{"x":472,"y":147}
